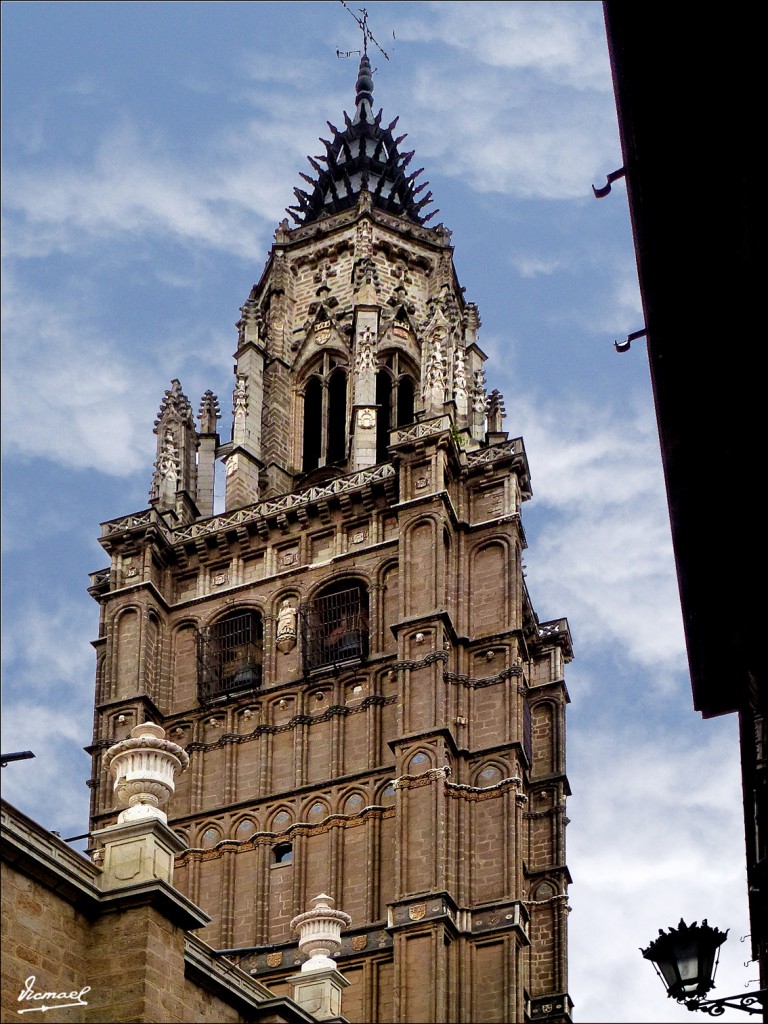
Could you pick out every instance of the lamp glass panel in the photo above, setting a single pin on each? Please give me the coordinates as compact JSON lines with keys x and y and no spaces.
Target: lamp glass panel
{"x":669,"y":972}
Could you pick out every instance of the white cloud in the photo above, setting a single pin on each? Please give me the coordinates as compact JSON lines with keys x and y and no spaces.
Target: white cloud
{"x":50,"y":644}
{"x":76,"y":400}
{"x":529,"y":265}
{"x":51,"y":787}
{"x":564,"y":42}
{"x":488,"y":115}
{"x":519,"y":101}
{"x":655,"y":835}
{"x":603,"y":552}
{"x":48,"y":671}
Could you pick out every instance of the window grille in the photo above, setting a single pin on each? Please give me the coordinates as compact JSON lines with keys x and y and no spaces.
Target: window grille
{"x":335,"y":628}
{"x":229,"y":656}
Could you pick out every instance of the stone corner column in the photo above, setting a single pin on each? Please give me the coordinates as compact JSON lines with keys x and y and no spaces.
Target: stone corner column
{"x":318,"y":986}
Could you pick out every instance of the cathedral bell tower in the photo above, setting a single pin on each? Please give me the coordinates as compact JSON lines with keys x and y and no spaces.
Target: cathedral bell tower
{"x":347,"y":651}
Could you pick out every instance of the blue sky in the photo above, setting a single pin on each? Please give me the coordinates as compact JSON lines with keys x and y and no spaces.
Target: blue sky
{"x":149,"y":152}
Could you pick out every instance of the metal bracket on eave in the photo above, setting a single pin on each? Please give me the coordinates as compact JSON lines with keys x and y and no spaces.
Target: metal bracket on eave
{"x":601,"y":193}
{"x":623,"y":346}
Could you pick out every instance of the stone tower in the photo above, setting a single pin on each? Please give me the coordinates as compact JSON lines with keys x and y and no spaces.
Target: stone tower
{"x":347,"y":651}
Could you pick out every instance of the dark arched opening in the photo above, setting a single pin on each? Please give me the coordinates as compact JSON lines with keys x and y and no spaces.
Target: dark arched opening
{"x":384,"y":415}
{"x":313,"y":424}
{"x":405,"y":401}
{"x":230,"y":655}
{"x":337,"y":417}
{"x":335,"y":625}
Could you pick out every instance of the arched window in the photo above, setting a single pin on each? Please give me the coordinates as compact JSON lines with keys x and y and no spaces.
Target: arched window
{"x":229,"y":655}
{"x":283,"y":854}
{"x":384,"y":417}
{"x":325,"y":416}
{"x":313,"y":419}
{"x":395,"y":400}
{"x":337,"y":418}
{"x":335,"y":625}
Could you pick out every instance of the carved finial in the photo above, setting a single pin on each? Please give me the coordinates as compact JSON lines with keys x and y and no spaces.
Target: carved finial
{"x":320,"y":932}
{"x":209,"y":413}
{"x":496,"y":411}
{"x":143,"y":768}
{"x":175,"y":466}
{"x":473,"y":320}
{"x":175,"y":406}
{"x":363,"y":90}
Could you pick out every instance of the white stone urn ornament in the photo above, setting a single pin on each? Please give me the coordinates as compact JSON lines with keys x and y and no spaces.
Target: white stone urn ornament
{"x":320,"y":933}
{"x":143,"y":768}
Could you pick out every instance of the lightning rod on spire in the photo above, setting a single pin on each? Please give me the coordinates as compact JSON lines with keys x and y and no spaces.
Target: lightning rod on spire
{"x":367,"y":34}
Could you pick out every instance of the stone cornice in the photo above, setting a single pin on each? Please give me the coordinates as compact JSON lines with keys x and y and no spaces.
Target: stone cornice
{"x":265,"y":837}
{"x":236,"y":987}
{"x":334,"y":711}
{"x":263,"y":510}
{"x":43,"y":856}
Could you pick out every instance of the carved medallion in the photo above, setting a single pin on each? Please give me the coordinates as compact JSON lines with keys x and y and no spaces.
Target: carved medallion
{"x":274,"y":959}
{"x":359,"y":942}
{"x":417,"y":912}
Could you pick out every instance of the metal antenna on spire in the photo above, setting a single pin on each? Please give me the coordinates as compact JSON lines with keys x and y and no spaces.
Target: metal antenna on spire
{"x":367,"y":34}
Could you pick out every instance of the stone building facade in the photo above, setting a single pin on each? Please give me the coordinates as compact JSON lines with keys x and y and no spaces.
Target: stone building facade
{"x":347,"y":651}
{"x":85,"y":945}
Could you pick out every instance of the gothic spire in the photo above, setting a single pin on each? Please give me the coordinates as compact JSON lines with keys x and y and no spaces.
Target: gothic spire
{"x":362,"y":157}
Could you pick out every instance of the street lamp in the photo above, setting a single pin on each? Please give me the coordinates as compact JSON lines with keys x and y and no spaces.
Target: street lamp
{"x":686,"y":959}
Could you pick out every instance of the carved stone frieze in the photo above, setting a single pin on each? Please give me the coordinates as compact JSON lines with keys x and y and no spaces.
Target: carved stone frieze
{"x":474,"y":793}
{"x":293,"y":829}
{"x":475,"y":684}
{"x":288,"y":502}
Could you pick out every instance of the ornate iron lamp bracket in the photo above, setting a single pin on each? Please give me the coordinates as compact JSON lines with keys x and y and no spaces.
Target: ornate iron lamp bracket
{"x":749,"y":1002}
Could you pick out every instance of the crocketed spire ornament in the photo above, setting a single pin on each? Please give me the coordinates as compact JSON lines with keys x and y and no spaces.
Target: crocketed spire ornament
{"x":496,"y":411}
{"x":364,"y":157}
{"x":175,"y":465}
{"x":209,"y":413}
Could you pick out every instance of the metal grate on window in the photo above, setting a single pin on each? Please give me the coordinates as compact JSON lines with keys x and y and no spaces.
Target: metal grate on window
{"x":335,"y":628}
{"x":229,"y":656}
